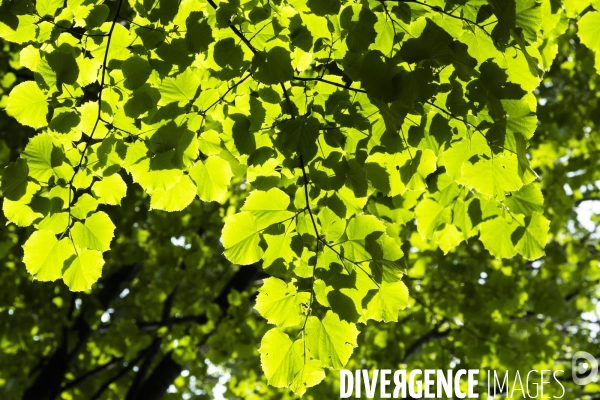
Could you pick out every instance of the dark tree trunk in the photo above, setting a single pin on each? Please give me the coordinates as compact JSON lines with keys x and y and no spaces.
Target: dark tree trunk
{"x":47,"y":385}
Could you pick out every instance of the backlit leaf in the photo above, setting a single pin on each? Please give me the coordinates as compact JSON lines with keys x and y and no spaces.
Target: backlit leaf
{"x":44,"y":255}
{"x":28,"y":104}
{"x":95,"y":233}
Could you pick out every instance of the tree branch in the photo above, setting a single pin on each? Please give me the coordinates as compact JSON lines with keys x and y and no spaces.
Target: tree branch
{"x":312,"y":218}
{"x":226,"y":93}
{"x":138,"y":381}
{"x":91,"y":373}
{"x":163,"y":375}
{"x":122,"y":373}
{"x":576,"y":292}
{"x":48,"y":383}
{"x":298,"y":78}
{"x":434,"y":334}
{"x":441,"y":11}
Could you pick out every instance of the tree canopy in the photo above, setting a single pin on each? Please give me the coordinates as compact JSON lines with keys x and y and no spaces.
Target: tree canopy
{"x":270,"y":191}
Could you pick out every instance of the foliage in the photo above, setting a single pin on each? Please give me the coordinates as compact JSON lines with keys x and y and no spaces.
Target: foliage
{"x":366,"y":152}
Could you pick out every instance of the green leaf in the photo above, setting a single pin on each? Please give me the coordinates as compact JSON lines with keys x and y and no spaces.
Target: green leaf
{"x":48,"y":7}
{"x":331,"y":340}
{"x":151,"y":173}
{"x":98,"y":14}
{"x":20,"y":212}
{"x":299,"y":136}
{"x":460,"y":152}
{"x":57,"y":69}
{"x":589,"y":32}
{"x":56,"y":223}
{"x":95,"y":234}
{"x":519,"y":118}
{"x":430,"y":215}
{"x":417,"y":168}
{"x":83,"y":179}
{"x":180,"y":89}
{"x":279,"y":247}
{"x":526,"y":173}
{"x":378,"y":77}
{"x":311,"y":374}
{"x":431,"y":45}
{"x":274,"y":67}
{"x":42,"y":157}
{"x":280,"y":303}
{"x":359,"y":21}
{"x":240,"y":239}
{"x":14,"y":180}
{"x":28,"y":104}
{"x":175,"y":198}
{"x":386,"y":254}
{"x":83,"y":270}
{"x":462,"y":219}
{"x":88,"y":70}
{"x":526,"y":200}
{"x":332,"y":226}
{"x":387,"y":300}
{"x":88,"y":113}
{"x":493,"y":175}
{"x":361,"y":226}
{"x":198,"y":34}
{"x":534,"y":236}
{"x":212,"y":178}
{"x":84,"y":206}
{"x":120,"y":40}
{"x":283,"y":363}
{"x":228,"y":54}
{"x":394,"y":174}
{"x":136,"y":72}
{"x":20,"y":29}
{"x":44,"y":255}
{"x":30,"y":57}
{"x":529,"y":18}
{"x":110,"y":190}
{"x":358,"y":229}
{"x":268,"y":207}
{"x":496,"y":236}
{"x":448,"y":238}
{"x":324,"y":7}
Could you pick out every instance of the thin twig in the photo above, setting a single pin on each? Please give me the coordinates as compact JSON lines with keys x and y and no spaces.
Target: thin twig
{"x":66,"y":29}
{"x":226,"y":93}
{"x":99,"y":117}
{"x":314,"y":224}
{"x":441,"y":11}
{"x":122,"y":373}
{"x":91,"y":373}
{"x":298,"y":78}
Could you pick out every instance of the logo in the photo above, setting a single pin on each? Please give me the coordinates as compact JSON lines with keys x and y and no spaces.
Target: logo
{"x":582,"y":363}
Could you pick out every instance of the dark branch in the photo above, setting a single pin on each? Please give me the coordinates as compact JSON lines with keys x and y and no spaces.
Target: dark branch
{"x":138,"y":381}
{"x":236,"y":30}
{"x":226,"y":93}
{"x":77,"y":381}
{"x":330,"y":83}
{"x":434,"y":334}
{"x":48,"y":383}
{"x":122,"y":373}
{"x":148,"y":358}
{"x":163,"y":375}
{"x":441,"y":11}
